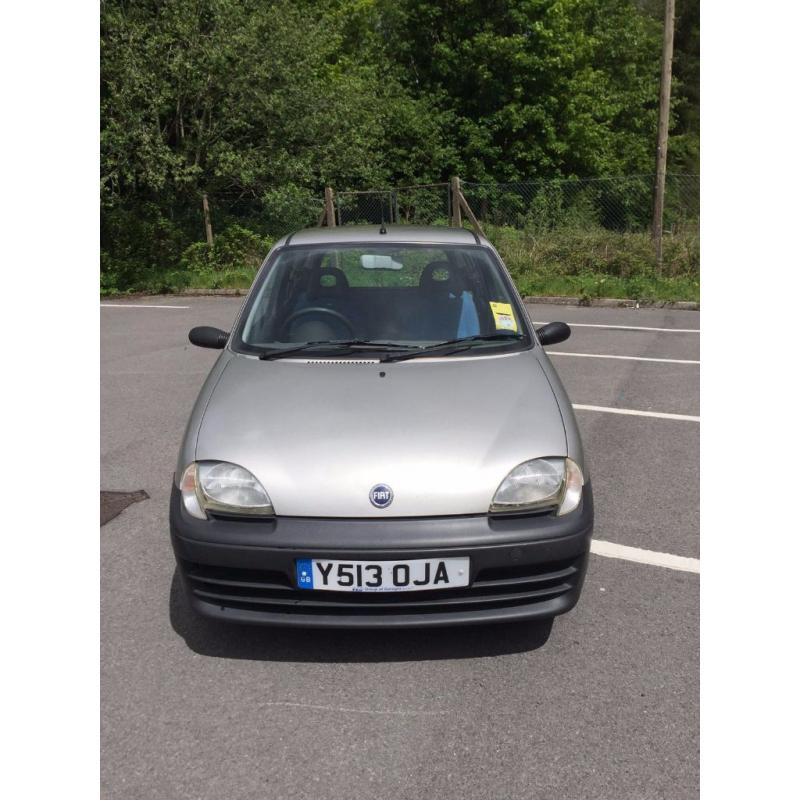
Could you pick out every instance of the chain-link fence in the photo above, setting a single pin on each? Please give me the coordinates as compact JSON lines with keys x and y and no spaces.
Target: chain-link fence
{"x":272,"y":213}
{"x":138,"y":239}
{"x":621,"y":204}
{"x":427,"y":204}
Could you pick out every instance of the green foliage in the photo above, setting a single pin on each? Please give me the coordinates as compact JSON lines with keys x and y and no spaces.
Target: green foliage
{"x":237,"y":250}
{"x":261,"y":103}
{"x":137,"y":243}
{"x":289,"y":207}
{"x":584,"y":263}
{"x":684,"y":141}
{"x":230,"y":263}
{"x":535,"y":87}
{"x":595,"y":262}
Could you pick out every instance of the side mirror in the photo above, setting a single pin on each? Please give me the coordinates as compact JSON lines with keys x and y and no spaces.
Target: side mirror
{"x":205,"y":336}
{"x":553,"y":333}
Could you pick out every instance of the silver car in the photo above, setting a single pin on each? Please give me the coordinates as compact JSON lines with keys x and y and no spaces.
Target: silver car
{"x":382,"y":442}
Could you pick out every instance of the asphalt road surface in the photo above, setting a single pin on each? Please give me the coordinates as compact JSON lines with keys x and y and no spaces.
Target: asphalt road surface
{"x":603,"y":705}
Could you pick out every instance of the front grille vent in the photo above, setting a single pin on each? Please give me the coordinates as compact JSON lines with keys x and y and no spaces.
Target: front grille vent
{"x":340,"y":361}
{"x":273,"y":591}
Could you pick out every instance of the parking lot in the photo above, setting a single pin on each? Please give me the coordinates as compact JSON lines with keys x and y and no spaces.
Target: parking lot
{"x":603,"y":705}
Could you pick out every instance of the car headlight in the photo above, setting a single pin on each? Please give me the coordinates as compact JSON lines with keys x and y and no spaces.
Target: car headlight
{"x":226,"y":488}
{"x":539,"y":484}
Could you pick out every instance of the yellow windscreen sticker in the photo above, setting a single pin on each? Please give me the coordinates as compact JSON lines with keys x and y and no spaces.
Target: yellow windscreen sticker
{"x":504,"y":319}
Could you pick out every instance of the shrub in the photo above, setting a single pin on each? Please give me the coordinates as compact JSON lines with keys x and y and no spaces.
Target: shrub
{"x":595,"y":262}
{"x":288,"y":208}
{"x":585,"y":262}
{"x":235,"y":249}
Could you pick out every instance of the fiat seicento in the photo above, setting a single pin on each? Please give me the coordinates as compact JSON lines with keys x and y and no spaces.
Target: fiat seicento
{"x":382,"y":442}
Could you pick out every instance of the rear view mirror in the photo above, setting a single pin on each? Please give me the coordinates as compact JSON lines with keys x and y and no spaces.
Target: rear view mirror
{"x":379,"y":262}
{"x":553,"y":333}
{"x":206,"y":336}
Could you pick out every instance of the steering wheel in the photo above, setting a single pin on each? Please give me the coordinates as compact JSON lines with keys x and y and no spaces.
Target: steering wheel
{"x":304,"y":312}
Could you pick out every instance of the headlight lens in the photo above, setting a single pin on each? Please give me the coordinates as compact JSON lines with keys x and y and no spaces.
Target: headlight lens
{"x":223,"y":487}
{"x":540,"y":483}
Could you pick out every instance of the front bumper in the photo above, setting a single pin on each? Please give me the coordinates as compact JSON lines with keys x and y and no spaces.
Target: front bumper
{"x":522,"y":568}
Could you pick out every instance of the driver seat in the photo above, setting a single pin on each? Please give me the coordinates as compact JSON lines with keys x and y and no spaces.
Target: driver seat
{"x":328,"y":288}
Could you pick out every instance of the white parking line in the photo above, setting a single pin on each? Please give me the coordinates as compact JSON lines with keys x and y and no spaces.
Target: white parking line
{"x":640,"y":556}
{"x":136,"y":305}
{"x":624,"y":358}
{"x":635,"y":413}
{"x":626,"y":327}
{"x":337,"y":709}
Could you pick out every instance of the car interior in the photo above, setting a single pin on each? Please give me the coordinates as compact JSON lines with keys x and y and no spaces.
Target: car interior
{"x":318,"y":302}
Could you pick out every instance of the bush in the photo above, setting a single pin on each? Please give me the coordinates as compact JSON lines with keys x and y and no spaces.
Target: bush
{"x":138,"y":243}
{"x":584,"y":262}
{"x":137,"y":264}
{"x":235,"y":249}
{"x":288,"y":208}
{"x":596,"y":262}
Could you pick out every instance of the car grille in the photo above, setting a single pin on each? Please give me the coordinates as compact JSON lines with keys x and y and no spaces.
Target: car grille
{"x":272,"y":591}
{"x":334,"y":362}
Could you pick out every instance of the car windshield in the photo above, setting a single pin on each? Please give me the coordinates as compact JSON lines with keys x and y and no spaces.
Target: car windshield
{"x":351,"y":296}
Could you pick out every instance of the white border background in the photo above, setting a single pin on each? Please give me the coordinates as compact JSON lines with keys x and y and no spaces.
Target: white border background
{"x":751,"y":318}
{"x":750,"y":518}
{"x":49,"y":63}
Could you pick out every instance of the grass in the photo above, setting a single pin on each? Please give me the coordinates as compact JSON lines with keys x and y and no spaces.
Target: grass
{"x":597,"y":263}
{"x":584,"y":263}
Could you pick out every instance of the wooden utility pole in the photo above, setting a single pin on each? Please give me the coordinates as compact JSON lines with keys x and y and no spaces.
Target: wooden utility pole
{"x":663,"y":128}
{"x":455,"y":203}
{"x":207,"y":221}
{"x":330,"y":211}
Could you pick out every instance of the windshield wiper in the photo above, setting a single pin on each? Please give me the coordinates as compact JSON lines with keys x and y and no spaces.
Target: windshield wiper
{"x":453,"y":345}
{"x":352,"y":344}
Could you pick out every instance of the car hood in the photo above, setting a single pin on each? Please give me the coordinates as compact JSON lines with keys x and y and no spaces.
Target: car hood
{"x":442,"y":433}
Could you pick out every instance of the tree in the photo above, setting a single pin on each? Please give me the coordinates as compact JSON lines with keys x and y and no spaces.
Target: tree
{"x":261,"y":103}
{"x":536,"y":87}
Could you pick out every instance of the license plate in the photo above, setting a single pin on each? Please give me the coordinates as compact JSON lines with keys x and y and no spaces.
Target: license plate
{"x":416,"y":575}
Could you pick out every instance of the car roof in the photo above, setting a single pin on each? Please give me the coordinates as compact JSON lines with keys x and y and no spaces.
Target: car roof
{"x":421,"y":234}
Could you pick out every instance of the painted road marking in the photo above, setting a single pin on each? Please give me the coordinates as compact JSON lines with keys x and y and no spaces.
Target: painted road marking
{"x":625,"y":327}
{"x":635,"y":413}
{"x":339,"y":710}
{"x":624,"y":358}
{"x":640,"y":556}
{"x":136,"y":305}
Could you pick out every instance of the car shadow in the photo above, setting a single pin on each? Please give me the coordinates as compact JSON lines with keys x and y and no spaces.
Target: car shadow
{"x":261,"y":643}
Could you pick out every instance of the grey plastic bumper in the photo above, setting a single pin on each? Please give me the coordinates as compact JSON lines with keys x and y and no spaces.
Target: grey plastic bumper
{"x":244,"y":571}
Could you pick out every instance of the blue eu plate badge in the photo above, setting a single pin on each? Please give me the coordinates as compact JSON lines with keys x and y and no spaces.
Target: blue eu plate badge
{"x":305,"y":574}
